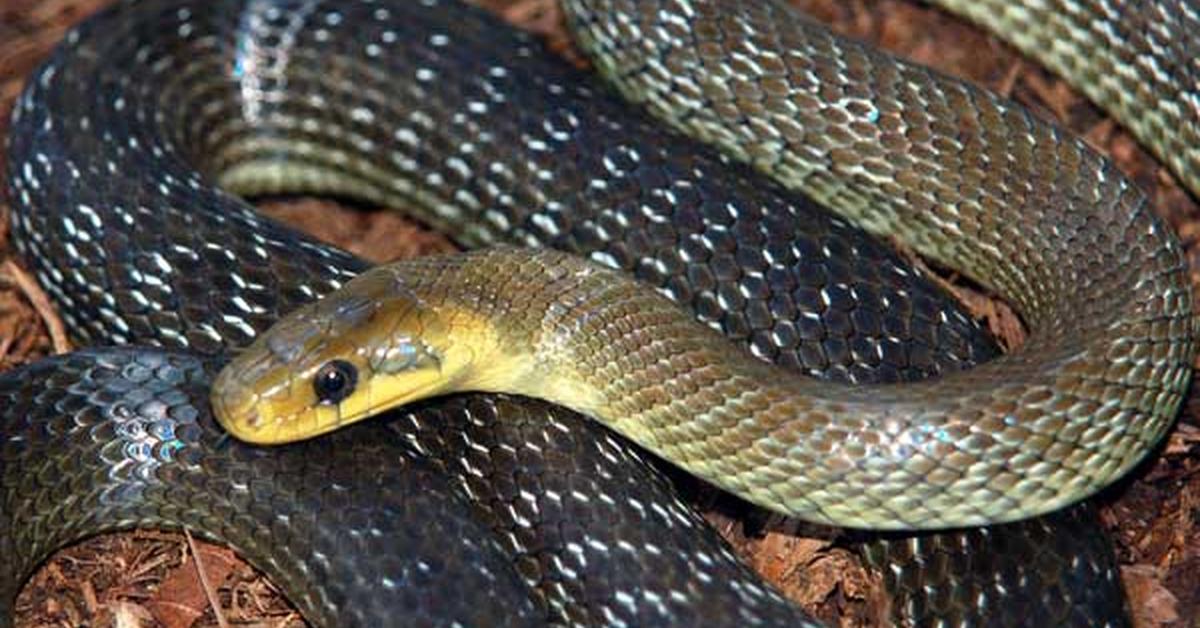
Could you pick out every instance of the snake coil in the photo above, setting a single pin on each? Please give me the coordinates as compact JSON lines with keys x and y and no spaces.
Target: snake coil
{"x":126,"y":144}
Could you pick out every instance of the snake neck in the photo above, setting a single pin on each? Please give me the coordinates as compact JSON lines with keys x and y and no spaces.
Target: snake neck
{"x":595,"y":341}
{"x":519,"y":322}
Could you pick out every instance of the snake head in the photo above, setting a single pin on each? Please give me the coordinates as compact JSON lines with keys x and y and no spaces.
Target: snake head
{"x":375,"y":344}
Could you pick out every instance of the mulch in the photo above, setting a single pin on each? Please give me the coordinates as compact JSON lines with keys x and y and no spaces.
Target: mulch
{"x":151,"y":578}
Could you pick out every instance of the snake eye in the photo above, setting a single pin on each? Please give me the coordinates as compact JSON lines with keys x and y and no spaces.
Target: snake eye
{"x":335,"y":381}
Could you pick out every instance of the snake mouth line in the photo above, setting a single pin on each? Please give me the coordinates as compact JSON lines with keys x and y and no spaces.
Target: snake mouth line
{"x":245,"y":420}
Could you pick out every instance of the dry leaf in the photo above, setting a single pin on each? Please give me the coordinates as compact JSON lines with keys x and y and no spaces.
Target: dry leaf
{"x":181,"y":599}
{"x":1152,"y":604}
{"x":130,"y":615}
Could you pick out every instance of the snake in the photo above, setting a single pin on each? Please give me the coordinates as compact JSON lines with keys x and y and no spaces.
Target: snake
{"x":1099,"y":280}
{"x":129,"y":145}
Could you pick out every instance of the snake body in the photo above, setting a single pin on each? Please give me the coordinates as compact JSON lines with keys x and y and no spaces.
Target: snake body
{"x":121,"y":140}
{"x":976,"y":184}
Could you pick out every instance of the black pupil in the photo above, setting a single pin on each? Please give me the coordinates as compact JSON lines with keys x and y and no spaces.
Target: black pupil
{"x":335,"y":381}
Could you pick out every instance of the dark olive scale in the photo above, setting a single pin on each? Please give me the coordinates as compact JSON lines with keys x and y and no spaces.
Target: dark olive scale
{"x":113,"y":152}
{"x":104,"y":439}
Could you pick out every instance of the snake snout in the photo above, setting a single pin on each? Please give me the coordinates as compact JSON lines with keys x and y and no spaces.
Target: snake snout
{"x":235,"y":406}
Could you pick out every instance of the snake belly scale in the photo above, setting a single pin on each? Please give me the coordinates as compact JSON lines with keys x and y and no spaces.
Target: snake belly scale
{"x":118,"y":141}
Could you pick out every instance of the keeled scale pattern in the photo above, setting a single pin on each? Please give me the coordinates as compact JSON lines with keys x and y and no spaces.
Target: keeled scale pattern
{"x":136,"y":247}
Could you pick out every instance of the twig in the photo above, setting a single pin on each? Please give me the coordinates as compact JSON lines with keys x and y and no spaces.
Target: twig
{"x":208,"y":590}
{"x":1009,"y":82}
{"x":41,"y":304}
{"x":5,"y":345}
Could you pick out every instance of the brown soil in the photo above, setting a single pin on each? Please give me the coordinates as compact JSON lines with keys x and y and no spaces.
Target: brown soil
{"x":146,"y":578}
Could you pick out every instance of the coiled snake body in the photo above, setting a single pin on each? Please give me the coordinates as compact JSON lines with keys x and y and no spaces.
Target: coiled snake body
{"x":121,"y":141}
